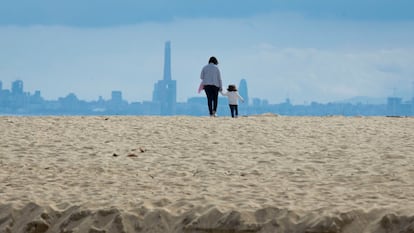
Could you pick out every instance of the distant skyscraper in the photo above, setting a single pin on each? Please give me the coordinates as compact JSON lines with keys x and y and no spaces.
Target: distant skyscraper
{"x":167,"y":61}
{"x":17,"y":87}
{"x":243,"y":91}
{"x":116,"y":96}
{"x":165,"y":91}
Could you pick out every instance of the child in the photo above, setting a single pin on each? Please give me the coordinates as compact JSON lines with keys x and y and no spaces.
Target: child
{"x":233,"y":96}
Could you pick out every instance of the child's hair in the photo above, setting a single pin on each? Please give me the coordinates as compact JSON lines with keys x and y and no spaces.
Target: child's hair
{"x":232,"y":87}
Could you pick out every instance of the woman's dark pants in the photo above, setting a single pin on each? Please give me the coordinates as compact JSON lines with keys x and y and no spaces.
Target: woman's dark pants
{"x":212,"y":97}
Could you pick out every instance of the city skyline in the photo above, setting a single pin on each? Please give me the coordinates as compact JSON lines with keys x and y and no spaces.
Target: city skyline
{"x":17,"y":86}
{"x":18,"y":102}
{"x":242,"y":88}
{"x":322,"y":51}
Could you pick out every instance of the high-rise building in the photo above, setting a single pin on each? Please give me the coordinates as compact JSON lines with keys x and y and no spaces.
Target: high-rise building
{"x":165,"y":90}
{"x":116,"y":96}
{"x":17,"y":87}
{"x":167,"y":61}
{"x":243,"y":91}
{"x":393,"y":105}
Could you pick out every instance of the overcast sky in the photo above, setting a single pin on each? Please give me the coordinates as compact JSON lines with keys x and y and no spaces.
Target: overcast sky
{"x":319,"y":50}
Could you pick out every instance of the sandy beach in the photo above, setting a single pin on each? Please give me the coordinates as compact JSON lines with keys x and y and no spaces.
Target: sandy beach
{"x":264,"y":173}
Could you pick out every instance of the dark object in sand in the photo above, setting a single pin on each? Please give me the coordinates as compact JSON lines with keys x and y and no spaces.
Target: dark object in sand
{"x":141,"y":149}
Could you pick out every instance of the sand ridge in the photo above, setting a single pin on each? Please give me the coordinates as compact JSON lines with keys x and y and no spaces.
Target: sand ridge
{"x":200,"y":174}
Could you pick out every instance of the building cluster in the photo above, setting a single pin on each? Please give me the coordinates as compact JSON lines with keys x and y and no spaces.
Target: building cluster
{"x":18,"y":102}
{"x":164,"y":102}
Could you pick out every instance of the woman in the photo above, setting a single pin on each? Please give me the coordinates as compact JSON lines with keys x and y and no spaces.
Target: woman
{"x":211,"y":81}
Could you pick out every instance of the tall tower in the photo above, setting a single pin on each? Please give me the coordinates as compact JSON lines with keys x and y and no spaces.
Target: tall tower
{"x":165,"y":90}
{"x":243,"y":91}
{"x":167,"y":61}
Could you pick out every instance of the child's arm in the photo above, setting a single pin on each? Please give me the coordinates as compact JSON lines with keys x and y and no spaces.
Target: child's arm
{"x":241,"y":98}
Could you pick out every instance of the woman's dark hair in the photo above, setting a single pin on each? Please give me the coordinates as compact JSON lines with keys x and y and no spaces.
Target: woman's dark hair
{"x":213,"y":60}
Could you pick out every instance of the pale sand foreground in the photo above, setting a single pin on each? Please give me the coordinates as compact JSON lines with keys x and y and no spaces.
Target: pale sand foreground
{"x":199,"y":174}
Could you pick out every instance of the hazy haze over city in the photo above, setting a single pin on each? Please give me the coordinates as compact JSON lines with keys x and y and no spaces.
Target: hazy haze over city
{"x":315,"y":50}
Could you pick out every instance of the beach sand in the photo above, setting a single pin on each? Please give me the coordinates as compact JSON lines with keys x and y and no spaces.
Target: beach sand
{"x":264,"y":173}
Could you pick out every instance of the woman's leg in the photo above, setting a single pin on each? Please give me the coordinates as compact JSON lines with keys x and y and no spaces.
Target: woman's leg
{"x":215,"y":98}
{"x":210,"y":94}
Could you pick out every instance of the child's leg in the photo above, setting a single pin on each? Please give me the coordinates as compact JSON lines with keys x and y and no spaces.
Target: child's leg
{"x":237,"y":110}
{"x":231,"y":110}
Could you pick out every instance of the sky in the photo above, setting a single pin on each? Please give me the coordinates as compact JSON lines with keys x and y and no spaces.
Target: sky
{"x":304,"y":50}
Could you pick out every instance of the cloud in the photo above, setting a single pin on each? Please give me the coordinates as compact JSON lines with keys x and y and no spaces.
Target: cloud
{"x":110,"y":13}
{"x":280,"y":55}
{"x":331,"y":75}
